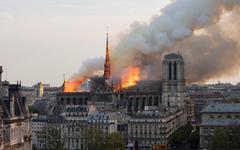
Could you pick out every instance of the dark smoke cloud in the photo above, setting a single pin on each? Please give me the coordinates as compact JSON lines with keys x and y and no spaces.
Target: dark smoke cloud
{"x":207,"y":55}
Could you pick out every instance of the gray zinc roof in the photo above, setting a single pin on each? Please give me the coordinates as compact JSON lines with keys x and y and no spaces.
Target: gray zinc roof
{"x":222,"y":108}
{"x":221,"y":122}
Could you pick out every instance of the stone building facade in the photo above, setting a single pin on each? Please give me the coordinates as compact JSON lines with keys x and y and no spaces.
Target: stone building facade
{"x":103,"y":121}
{"x":15,"y":120}
{"x":217,"y":115}
{"x":38,"y":125}
{"x":73,"y":124}
{"x":167,"y":96}
{"x":154,"y":128}
{"x":76,"y":125}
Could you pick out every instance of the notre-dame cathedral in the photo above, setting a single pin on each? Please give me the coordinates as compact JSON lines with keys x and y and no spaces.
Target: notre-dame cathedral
{"x":166,"y":93}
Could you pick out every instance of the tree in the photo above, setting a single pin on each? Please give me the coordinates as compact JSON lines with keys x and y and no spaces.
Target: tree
{"x":225,"y":138}
{"x":33,"y":110}
{"x":34,"y":147}
{"x":97,"y":140}
{"x":234,"y":136}
{"x":115,"y":141}
{"x":194,"y":138}
{"x":182,"y":134}
{"x":54,"y":140}
{"x":220,"y":139}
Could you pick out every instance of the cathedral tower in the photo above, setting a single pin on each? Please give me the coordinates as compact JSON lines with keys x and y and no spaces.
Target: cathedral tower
{"x":173,"y":90}
{"x":107,"y":65}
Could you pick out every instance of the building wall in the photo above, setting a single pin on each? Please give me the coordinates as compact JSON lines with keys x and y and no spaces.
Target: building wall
{"x":214,"y":118}
{"x":154,"y":130}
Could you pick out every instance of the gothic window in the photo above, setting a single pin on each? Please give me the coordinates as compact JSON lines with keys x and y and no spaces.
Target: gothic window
{"x":62,"y":100}
{"x":150,"y":101}
{"x":80,"y":101}
{"x":130,"y":102}
{"x":175,"y":70}
{"x":68,"y":101}
{"x":74,"y":101}
{"x":143,"y":101}
{"x":136,"y":104}
{"x":142,"y":104}
{"x":170,"y":71}
{"x":156,"y":101}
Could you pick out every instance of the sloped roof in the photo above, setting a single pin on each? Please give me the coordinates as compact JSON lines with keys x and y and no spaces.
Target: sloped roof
{"x":173,"y":56}
{"x":221,"y":122}
{"x":222,"y":108}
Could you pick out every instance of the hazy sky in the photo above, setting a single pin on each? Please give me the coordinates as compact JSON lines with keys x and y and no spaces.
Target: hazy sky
{"x":42,"y":39}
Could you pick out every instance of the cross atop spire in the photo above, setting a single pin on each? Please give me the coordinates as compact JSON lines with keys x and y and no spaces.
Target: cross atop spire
{"x":107,"y":65}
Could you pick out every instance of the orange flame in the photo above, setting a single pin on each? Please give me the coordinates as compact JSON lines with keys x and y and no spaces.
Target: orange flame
{"x":130,"y":77}
{"x":73,"y":85}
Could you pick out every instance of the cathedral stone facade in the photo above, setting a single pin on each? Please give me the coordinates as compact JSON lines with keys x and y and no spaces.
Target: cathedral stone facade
{"x":173,"y":82}
{"x":168,"y":92}
{"x":152,"y":109}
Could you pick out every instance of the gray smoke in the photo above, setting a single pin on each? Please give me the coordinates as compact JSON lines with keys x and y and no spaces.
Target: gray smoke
{"x":89,"y":67}
{"x":207,"y":55}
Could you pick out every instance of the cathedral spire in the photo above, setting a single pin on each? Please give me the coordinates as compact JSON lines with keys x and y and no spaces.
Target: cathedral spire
{"x":107,"y":65}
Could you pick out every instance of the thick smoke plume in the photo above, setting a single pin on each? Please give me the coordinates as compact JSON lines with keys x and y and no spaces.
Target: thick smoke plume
{"x":89,"y":67}
{"x":195,"y":28}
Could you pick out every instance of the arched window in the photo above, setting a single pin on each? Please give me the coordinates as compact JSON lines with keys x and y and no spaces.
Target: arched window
{"x":80,"y":101}
{"x":170,"y":71}
{"x":175,"y":70}
{"x":156,"y":100}
{"x":74,"y":101}
{"x":142,"y":104}
{"x":130,"y":102}
{"x":150,"y":101}
{"x":136,"y":104}
{"x":68,"y":101}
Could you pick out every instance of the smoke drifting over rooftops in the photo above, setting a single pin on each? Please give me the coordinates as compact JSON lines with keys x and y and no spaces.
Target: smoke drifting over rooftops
{"x":203,"y":31}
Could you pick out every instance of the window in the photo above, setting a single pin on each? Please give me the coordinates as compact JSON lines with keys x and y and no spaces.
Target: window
{"x":68,"y":101}
{"x":175,"y":70}
{"x":170,"y":71}
{"x":229,"y":116}
{"x":74,"y":101}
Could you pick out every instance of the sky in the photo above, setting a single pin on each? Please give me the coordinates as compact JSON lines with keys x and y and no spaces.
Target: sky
{"x":40,"y":40}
